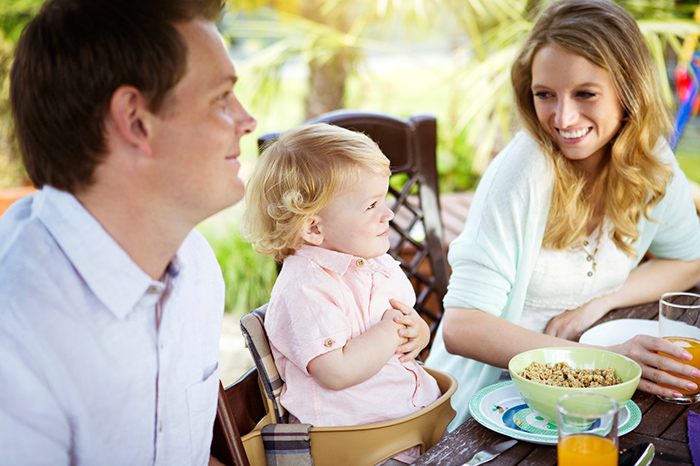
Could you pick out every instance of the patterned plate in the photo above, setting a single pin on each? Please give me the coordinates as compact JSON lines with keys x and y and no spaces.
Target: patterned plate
{"x":500,"y":408}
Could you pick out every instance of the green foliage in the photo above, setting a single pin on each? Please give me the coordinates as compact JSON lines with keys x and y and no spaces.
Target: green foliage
{"x":15,"y":14}
{"x":13,"y":17}
{"x":690,"y":166}
{"x":11,"y":169}
{"x":248,"y":275}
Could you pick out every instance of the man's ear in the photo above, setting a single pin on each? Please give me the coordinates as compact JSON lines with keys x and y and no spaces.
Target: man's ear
{"x":312,"y":232}
{"x":128,"y":109}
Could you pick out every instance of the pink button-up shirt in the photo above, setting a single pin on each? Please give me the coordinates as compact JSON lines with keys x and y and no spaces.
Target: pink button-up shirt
{"x":321,"y":300}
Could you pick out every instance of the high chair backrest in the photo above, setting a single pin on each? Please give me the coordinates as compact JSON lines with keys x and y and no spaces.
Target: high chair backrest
{"x":253,"y":330}
{"x":417,"y":239}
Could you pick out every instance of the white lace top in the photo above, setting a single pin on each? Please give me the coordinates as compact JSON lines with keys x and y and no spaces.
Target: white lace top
{"x":566,"y":279}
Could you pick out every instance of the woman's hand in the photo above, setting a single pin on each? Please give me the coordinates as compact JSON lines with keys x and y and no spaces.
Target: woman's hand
{"x":570,"y":324}
{"x":416,"y":332}
{"x":644,"y":349}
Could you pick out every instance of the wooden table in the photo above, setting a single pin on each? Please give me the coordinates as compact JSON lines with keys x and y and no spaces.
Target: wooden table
{"x":663,"y":424}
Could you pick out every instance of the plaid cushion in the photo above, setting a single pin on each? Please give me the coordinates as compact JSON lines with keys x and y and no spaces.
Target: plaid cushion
{"x":287,"y":444}
{"x":253,"y":329}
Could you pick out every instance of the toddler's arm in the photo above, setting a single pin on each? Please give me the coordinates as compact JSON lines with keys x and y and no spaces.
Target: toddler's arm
{"x":416,"y":332}
{"x":361,"y":357}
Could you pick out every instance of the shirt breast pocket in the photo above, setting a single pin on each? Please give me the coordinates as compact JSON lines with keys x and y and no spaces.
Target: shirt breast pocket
{"x":201,"y":405}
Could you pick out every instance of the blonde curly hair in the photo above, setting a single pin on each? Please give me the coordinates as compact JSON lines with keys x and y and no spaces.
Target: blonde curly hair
{"x":634,"y":179}
{"x":297,"y":176}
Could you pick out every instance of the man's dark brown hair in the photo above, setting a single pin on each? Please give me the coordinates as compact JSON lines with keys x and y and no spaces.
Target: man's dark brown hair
{"x":69,"y":61}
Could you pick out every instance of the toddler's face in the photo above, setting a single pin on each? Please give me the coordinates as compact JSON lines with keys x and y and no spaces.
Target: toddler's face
{"x":357,"y":222}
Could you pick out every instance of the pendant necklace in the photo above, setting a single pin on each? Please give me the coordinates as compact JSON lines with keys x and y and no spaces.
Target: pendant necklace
{"x":591,"y":257}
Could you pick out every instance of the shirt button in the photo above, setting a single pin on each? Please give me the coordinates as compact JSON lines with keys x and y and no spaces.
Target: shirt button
{"x":360,"y":262}
{"x":328,"y":343}
{"x":589,"y":258}
{"x":590,"y":274}
{"x":153,"y":289}
{"x":160,"y":426}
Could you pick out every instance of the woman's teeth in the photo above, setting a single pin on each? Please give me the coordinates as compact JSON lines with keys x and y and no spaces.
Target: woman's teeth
{"x":574,"y":134}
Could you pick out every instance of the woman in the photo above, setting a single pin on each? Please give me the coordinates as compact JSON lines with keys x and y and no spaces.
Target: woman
{"x":563,"y":216}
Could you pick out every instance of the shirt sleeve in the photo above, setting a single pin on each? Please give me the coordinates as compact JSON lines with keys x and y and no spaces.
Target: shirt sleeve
{"x":33,"y":428}
{"x":307,"y":320}
{"x":506,"y":220}
{"x":674,"y":219}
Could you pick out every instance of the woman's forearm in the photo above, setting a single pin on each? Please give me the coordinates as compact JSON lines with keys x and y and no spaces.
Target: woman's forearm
{"x":650,"y":280}
{"x":481,"y":336}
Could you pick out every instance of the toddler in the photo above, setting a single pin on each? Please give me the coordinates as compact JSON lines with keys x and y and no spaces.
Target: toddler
{"x":340,"y":320}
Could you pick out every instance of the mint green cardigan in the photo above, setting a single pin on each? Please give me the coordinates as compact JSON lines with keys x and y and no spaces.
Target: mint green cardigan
{"x":492,"y":259}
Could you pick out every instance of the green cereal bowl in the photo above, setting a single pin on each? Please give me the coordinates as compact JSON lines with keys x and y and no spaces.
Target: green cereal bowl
{"x":543,"y":398}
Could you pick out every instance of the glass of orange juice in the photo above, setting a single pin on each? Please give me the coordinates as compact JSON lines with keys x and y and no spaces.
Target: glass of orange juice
{"x":679,"y":322}
{"x":587,"y":425}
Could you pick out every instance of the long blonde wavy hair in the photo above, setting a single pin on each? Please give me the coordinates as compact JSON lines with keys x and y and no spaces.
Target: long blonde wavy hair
{"x":297,"y":176}
{"x":634,"y":179}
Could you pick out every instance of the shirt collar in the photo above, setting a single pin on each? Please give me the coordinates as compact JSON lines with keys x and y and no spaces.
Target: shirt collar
{"x":105,"y":267}
{"x":339,"y":262}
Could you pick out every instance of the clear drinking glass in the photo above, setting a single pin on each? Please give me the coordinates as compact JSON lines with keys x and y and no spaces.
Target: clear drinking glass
{"x":587,"y":425}
{"x":679,"y":319}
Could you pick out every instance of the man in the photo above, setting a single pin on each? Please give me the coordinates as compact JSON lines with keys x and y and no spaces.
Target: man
{"x":110,"y":303}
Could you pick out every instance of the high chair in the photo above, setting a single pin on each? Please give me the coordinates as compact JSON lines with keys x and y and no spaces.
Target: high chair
{"x":337,"y":446}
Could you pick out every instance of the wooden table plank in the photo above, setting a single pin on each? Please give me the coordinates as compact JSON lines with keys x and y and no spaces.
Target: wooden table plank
{"x":659,"y":418}
{"x":542,"y":456}
{"x":645,"y":401}
{"x":679,"y":429}
{"x":668,"y":452}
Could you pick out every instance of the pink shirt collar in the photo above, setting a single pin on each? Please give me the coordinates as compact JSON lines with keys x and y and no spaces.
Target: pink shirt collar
{"x":339,"y":262}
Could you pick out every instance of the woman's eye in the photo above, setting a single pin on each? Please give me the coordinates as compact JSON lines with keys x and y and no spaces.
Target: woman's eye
{"x":586,"y":95}
{"x":542,"y":95}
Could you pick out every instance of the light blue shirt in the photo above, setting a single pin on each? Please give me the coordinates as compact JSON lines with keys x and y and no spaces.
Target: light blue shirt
{"x":86,"y":376}
{"x":493,"y":258}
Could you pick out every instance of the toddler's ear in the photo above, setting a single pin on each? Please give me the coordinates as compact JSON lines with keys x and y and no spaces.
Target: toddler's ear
{"x":312,"y":233}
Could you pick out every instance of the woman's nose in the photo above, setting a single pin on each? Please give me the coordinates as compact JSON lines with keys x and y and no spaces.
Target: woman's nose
{"x":566,"y":114}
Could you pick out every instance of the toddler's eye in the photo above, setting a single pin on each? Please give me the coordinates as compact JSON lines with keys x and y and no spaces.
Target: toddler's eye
{"x":372,"y":205}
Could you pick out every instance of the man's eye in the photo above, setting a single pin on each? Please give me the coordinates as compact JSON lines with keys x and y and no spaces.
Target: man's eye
{"x":223,"y":97}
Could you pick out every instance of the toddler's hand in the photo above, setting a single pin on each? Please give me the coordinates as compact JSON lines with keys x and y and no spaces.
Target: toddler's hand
{"x":416,"y":331}
{"x":393,"y":316}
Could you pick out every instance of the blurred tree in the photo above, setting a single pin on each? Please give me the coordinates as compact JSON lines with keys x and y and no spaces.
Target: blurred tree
{"x":13,"y":16}
{"x":331,"y":36}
